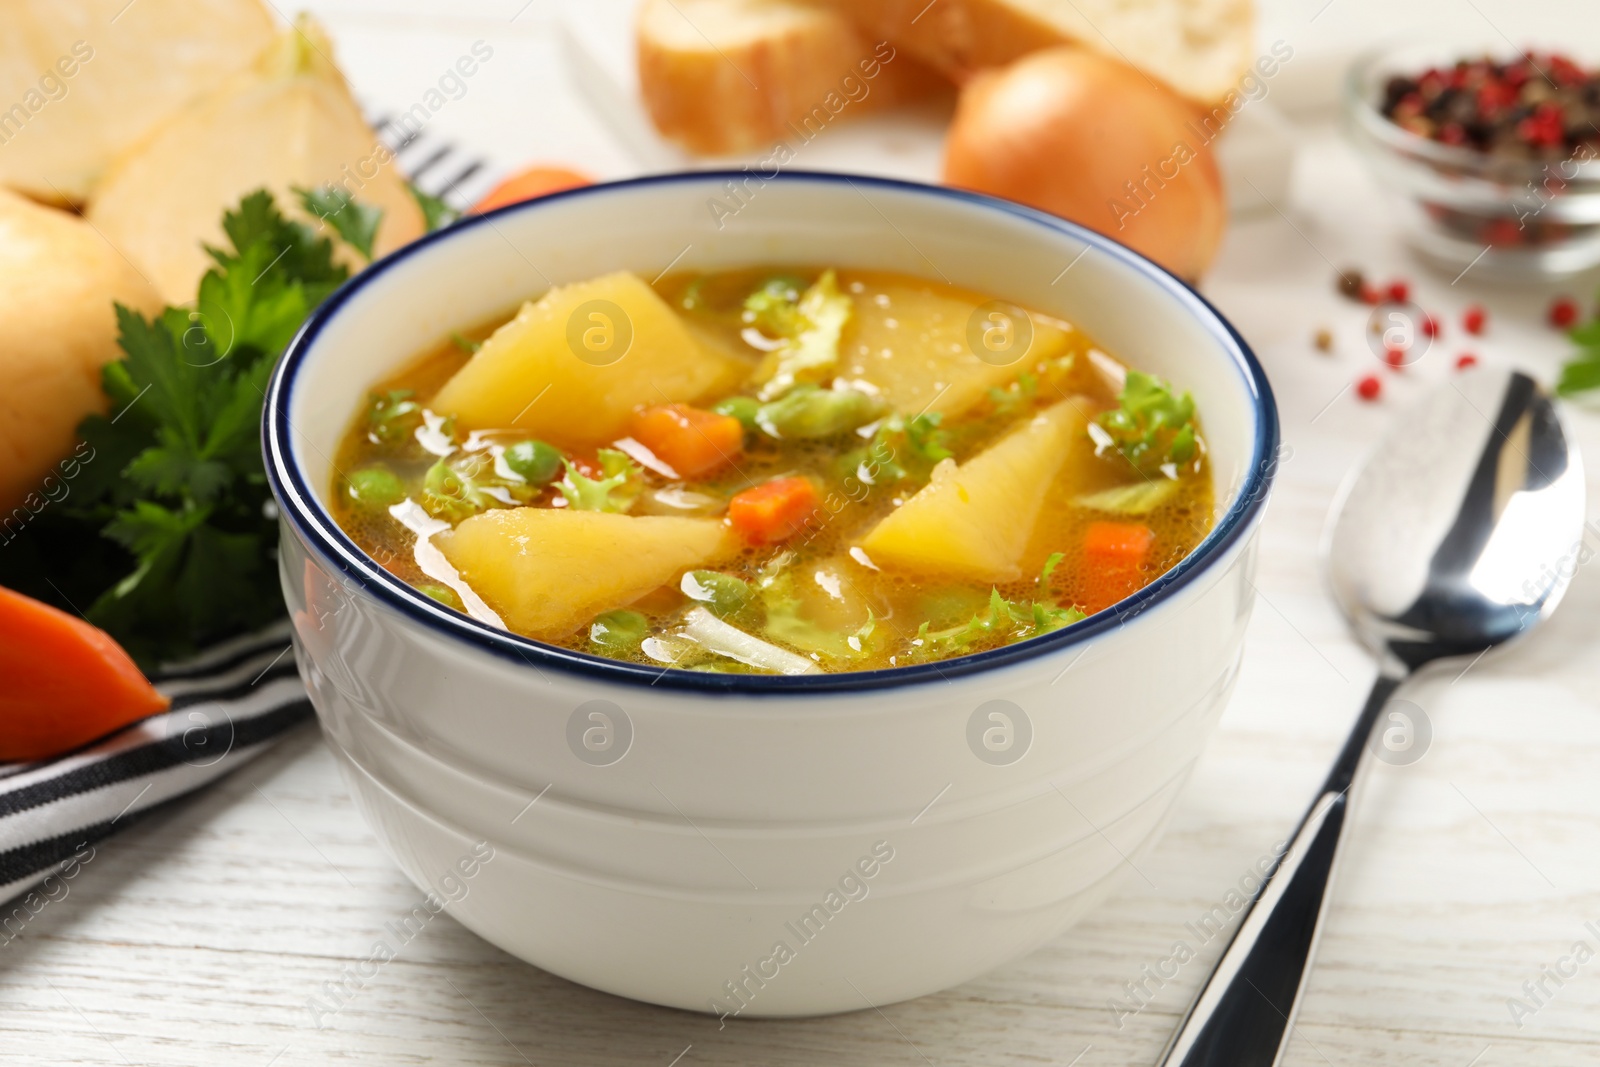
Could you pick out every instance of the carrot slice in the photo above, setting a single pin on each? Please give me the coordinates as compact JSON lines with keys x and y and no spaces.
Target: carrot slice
{"x":775,"y":510}
{"x":530,"y":184}
{"x":66,"y":682}
{"x":691,"y":441}
{"x":1114,"y":554}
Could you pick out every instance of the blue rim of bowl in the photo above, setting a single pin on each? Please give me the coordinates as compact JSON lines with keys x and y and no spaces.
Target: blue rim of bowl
{"x":304,"y":510}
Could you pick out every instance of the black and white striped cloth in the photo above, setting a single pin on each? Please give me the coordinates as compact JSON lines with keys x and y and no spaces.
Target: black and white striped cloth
{"x":228,"y":705}
{"x":437,"y":167}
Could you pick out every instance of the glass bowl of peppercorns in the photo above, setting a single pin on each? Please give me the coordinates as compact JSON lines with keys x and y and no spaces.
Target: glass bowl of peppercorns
{"x":1495,"y":153}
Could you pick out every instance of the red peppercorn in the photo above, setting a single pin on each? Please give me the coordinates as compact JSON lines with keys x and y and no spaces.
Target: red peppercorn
{"x":1544,"y":127}
{"x":1465,"y":361}
{"x":1369,"y":387}
{"x":1564,"y":71}
{"x":1399,"y":292}
{"x":1563,"y":312}
{"x":1395,"y":357}
{"x":1371,"y":294}
{"x":1430,"y":326}
{"x":1474,"y":319}
{"x":1495,"y":95}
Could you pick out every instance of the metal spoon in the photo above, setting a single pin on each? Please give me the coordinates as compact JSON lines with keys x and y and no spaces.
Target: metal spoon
{"x":1458,"y":534}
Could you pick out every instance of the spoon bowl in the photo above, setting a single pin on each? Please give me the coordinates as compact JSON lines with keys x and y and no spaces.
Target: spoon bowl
{"x":1460,"y":530}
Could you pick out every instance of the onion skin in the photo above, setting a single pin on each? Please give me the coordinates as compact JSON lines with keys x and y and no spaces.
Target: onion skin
{"x":1092,"y":140}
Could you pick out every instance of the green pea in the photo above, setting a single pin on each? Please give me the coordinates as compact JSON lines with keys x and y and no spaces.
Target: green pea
{"x":376,"y":487}
{"x":809,"y":412}
{"x":722,"y":593}
{"x":443,"y":594}
{"x":743,"y":408}
{"x":619,"y":631}
{"x":535,"y":461}
{"x":393,"y":416}
{"x":447,"y":495}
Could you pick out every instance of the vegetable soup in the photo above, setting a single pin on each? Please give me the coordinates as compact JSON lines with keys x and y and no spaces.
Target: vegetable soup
{"x":775,"y":471}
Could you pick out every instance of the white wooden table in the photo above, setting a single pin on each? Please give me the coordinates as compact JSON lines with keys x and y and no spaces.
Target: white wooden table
{"x":200,"y":936}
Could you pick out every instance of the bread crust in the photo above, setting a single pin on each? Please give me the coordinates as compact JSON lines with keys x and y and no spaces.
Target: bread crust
{"x":726,"y":76}
{"x":1201,"y":55}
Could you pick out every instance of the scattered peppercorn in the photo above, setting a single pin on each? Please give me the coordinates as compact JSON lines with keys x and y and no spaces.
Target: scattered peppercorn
{"x":1350,"y":284}
{"x":1466,"y":361}
{"x":1399,"y":292}
{"x":1369,"y":387}
{"x":1371,"y":294}
{"x":1395,"y":357}
{"x":1323,"y":339}
{"x":1538,"y":106}
{"x":1563,"y":312}
{"x":1430,"y":326}
{"x":1474,"y":318}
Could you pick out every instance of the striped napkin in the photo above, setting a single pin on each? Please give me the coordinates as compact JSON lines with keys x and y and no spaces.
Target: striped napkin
{"x":229,"y":704}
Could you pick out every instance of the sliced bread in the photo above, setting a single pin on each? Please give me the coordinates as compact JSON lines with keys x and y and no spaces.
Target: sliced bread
{"x":1200,"y":48}
{"x":727,"y":76}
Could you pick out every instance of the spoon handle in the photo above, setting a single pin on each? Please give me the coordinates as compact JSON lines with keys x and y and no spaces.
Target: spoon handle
{"x":1246,"y":1009}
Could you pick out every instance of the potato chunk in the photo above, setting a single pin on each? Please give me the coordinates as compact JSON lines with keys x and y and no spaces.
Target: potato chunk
{"x":574,"y":374}
{"x":974,"y":520}
{"x":914,"y":345}
{"x":547,"y":571}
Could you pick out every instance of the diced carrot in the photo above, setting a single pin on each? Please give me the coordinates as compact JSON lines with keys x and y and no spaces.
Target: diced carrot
{"x":775,"y":510}
{"x":588,"y":464}
{"x":65,"y":682}
{"x":530,"y":184}
{"x":691,"y":441}
{"x":1113,"y":557}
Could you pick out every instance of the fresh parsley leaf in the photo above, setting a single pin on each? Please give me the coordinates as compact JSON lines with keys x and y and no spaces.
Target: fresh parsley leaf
{"x":168,"y":538}
{"x":1151,"y":427}
{"x":356,"y":222}
{"x":614,"y":491}
{"x":1582,"y":373}
{"x":1579,"y":375}
{"x":436,"y":214}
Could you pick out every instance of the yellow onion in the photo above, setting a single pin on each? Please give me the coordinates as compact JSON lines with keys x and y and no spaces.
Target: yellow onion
{"x":1090,"y":139}
{"x":59,"y":280}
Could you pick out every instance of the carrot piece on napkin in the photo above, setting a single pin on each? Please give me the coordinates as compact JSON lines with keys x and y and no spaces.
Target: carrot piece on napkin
{"x":63,"y":683}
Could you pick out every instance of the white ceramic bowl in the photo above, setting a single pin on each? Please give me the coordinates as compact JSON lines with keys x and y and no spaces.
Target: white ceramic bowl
{"x":764,"y":845}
